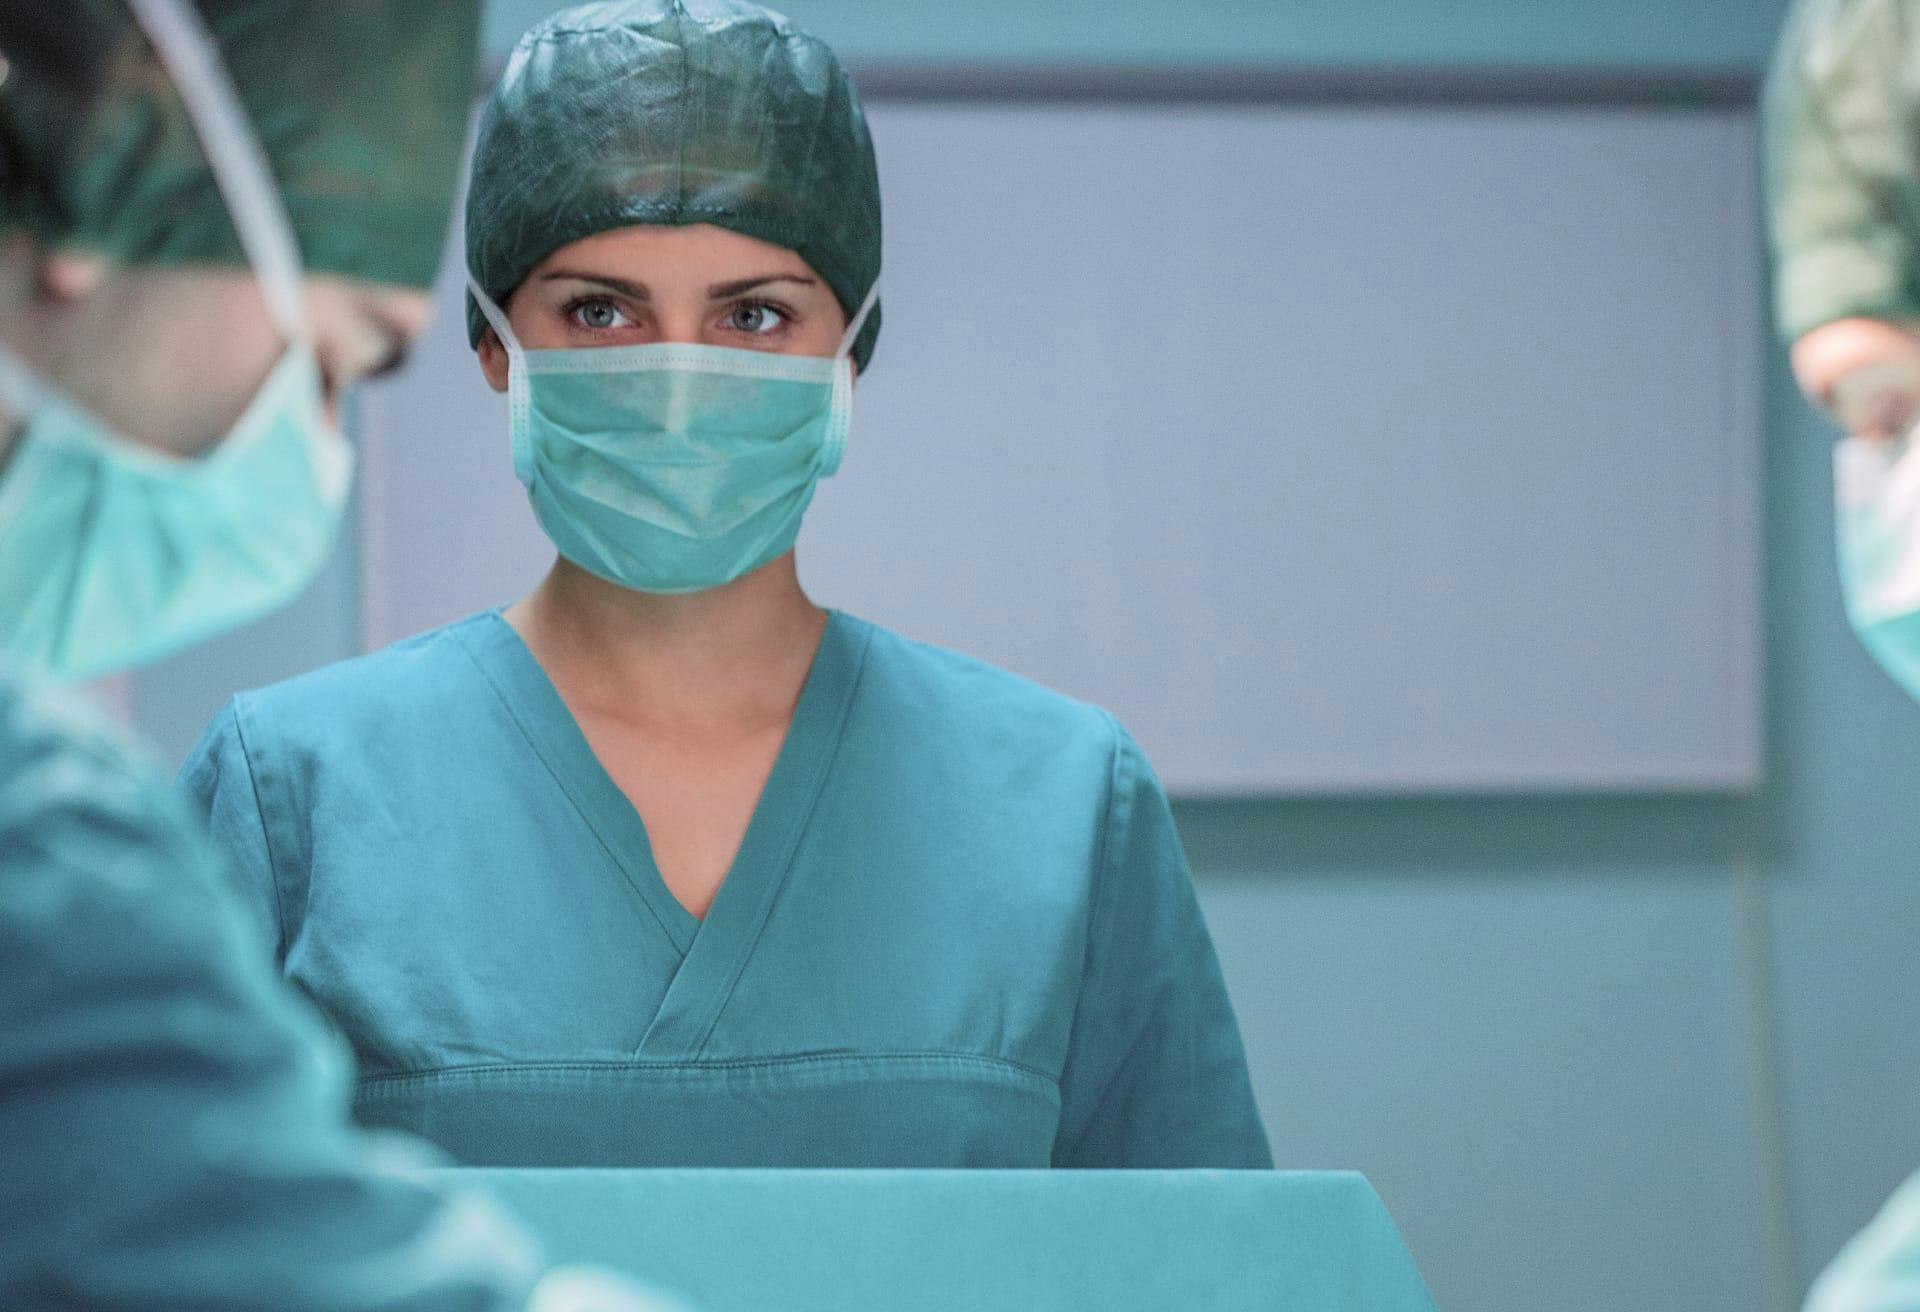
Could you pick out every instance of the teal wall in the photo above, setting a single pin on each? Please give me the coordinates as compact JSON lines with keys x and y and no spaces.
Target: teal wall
{"x":1597,"y":1054}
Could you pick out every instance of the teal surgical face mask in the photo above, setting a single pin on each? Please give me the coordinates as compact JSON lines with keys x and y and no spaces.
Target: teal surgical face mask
{"x":111,"y":553}
{"x":1876,"y":487}
{"x":674,"y":468}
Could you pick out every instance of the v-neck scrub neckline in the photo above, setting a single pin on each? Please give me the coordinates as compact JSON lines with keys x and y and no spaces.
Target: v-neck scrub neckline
{"x":716,"y":948}
{"x":959,"y":930}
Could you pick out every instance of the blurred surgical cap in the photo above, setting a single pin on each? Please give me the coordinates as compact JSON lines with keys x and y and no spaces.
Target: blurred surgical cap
{"x":360,"y":105}
{"x":675,"y":112}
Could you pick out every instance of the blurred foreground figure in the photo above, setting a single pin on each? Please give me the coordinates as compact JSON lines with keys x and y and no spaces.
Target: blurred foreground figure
{"x":1842,"y":121}
{"x":1879,"y":1271}
{"x":173,"y":1128}
{"x":183,"y":292}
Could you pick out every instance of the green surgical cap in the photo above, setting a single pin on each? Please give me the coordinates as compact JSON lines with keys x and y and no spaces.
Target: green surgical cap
{"x":360,"y":105}
{"x":675,"y":112}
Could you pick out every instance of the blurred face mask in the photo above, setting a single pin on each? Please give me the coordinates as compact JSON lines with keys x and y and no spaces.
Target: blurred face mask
{"x":1876,"y":487}
{"x":674,"y":468}
{"x":113,"y":554}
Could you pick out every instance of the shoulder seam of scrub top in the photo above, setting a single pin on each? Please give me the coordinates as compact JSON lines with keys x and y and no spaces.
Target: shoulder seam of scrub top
{"x":907,"y":1057}
{"x":234,"y":708}
{"x":1121,"y":777}
{"x":803,"y":818}
{"x":1118,"y":819}
{"x":533,"y":747}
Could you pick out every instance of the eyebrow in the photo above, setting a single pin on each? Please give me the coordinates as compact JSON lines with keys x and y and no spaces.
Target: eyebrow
{"x":632,"y":290}
{"x":639,"y":292}
{"x":721,"y":290}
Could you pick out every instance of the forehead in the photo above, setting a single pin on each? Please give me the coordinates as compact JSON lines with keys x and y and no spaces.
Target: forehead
{"x":668,"y":256}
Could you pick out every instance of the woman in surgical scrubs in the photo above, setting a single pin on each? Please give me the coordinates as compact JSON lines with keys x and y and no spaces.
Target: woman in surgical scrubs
{"x":664,"y":864}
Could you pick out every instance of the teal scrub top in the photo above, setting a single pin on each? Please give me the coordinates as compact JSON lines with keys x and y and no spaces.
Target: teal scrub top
{"x":959,"y":932}
{"x":173,"y":1121}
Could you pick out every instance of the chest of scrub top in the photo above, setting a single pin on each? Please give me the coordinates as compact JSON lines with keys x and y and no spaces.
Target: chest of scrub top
{"x":959,"y":931}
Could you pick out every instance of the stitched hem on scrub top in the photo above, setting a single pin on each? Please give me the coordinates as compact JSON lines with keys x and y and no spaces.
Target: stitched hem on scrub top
{"x":960,"y":1060}
{"x":239,"y":711}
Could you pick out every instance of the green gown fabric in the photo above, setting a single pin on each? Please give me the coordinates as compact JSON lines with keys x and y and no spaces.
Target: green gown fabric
{"x":360,"y":108}
{"x":960,"y":931}
{"x":1841,"y":123}
{"x":173,"y":1129}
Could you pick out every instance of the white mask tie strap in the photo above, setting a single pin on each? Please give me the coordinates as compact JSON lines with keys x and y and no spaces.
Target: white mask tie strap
{"x":852,"y":334}
{"x":234,"y":153}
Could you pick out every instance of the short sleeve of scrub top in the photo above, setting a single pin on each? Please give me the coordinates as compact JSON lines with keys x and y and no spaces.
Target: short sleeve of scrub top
{"x":959,"y":931}
{"x":1153,"y":1023}
{"x":172,"y":1123}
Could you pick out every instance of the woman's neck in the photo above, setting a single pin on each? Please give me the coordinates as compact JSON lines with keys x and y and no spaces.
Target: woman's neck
{"x":732,"y":657}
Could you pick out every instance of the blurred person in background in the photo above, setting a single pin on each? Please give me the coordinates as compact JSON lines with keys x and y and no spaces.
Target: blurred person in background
{"x":173,"y":1126}
{"x":1842,"y":128}
{"x":1842,"y":137}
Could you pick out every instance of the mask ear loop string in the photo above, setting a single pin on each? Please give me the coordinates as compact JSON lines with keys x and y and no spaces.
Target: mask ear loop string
{"x":519,"y":394}
{"x":860,"y":317}
{"x":840,"y":423}
{"x":233,"y":151}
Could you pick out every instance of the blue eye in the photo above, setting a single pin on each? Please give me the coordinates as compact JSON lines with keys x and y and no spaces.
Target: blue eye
{"x":756,"y":317}
{"x":599,"y":314}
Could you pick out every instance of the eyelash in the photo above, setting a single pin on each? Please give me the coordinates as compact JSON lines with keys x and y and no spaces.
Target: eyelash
{"x":571,"y":310}
{"x":787,"y":317}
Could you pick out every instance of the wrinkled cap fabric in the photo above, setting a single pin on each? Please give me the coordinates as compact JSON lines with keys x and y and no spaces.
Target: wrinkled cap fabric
{"x":674,"y":112}
{"x":361,"y":107}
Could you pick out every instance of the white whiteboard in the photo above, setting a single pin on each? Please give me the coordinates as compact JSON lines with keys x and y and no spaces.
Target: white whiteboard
{"x":1335,"y":449}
